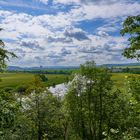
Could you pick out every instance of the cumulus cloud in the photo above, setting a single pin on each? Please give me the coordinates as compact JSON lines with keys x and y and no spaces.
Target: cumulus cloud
{"x":52,"y":39}
{"x":44,"y":1}
{"x":89,"y":12}
{"x":61,"y":54}
{"x":76,"y":33}
{"x":34,"y":45}
{"x":99,"y":1}
{"x":90,"y":50}
{"x":31,"y":4}
{"x":53,"y":54}
{"x":62,"y":38}
{"x":102,"y":33}
{"x":66,"y":1}
{"x":104,"y":50}
{"x":90,"y":2}
{"x":65,"y":52}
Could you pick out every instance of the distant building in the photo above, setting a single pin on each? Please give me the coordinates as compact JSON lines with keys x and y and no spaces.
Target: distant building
{"x":41,"y":67}
{"x":116,"y":70}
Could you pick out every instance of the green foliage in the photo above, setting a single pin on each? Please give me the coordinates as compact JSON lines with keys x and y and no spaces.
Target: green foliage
{"x":46,"y":117}
{"x":131,"y":27}
{"x":43,"y":77}
{"x":86,"y":99}
{"x":4,"y":55}
{"x":132,"y":91}
{"x":43,"y":114}
{"x":97,"y":110}
{"x":8,"y":115}
{"x":21,"y":89}
{"x":92,"y":109}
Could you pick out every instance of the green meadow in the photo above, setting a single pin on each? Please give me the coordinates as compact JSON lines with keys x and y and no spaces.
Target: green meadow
{"x":119,"y":78}
{"x":13,"y":80}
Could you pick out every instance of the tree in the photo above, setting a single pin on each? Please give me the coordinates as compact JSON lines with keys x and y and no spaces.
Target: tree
{"x":4,"y":54}
{"x":133,"y":90}
{"x":43,"y":77}
{"x":43,"y":111}
{"x":98,"y":110}
{"x":8,"y":115}
{"x":87,"y":101}
{"x":131,"y":27}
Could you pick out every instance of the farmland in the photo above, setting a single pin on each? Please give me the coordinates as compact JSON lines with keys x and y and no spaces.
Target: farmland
{"x":13,"y":80}
{"x":119,"y":78}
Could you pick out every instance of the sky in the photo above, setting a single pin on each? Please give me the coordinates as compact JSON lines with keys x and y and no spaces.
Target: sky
{"x":65,"y":32}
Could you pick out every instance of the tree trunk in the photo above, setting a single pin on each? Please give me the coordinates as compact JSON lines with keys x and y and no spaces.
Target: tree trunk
{"x":101,"y":117}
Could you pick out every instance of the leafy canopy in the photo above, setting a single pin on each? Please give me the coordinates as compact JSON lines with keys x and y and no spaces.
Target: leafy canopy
{"x":131,"y":27}
{"x":4,"y":54}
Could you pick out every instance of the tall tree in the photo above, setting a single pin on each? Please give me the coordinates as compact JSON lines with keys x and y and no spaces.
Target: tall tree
{"x":44,"y":111}
{"x":8,"y":115}
{"x":86,"y":101}
{"x":4,"y":54}
{"x":131,"y":28}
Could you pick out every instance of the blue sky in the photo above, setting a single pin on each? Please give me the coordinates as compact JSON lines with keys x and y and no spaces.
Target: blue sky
{"x":65,"y":32}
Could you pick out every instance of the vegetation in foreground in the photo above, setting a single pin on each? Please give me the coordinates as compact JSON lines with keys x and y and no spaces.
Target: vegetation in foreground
{"x":90,"y":110}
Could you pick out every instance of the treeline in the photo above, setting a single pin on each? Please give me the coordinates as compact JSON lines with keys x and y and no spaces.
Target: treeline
{"x":131,"y":70}
{"x":57,"y":71}
{"x":126,"y":70}
{"x":92,"y":109}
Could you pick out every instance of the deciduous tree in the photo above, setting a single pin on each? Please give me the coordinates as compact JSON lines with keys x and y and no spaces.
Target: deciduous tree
{"x":4,"y":54}
{"x":131,"y":28}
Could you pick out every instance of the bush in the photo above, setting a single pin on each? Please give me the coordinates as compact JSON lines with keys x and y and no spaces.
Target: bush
{"x":43,"y":77}
{"x":21,"y":89}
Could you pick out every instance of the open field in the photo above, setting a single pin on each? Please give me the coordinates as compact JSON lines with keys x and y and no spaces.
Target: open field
{"x":119,"y":78}
{"x":13,"y":80}
{"x":56,"y":79}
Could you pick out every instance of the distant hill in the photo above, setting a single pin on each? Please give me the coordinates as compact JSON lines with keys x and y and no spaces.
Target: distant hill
{"x":16,"y":68}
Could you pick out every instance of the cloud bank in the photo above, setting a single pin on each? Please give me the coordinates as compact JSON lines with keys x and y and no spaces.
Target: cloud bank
{"x":76,"y":31}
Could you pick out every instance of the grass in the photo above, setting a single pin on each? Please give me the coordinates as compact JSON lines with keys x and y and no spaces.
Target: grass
{"x":54,"y":79}
{"x":13,"y":80}
{"x":119,"y":78}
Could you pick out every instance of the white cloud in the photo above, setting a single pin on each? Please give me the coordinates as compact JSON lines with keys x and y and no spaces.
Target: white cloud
{"x":66,"y":1}
{"x":60,"y":39}
{"x":89,"y":12}
{"x":44,"y":1}
{"x":102,"y":33}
